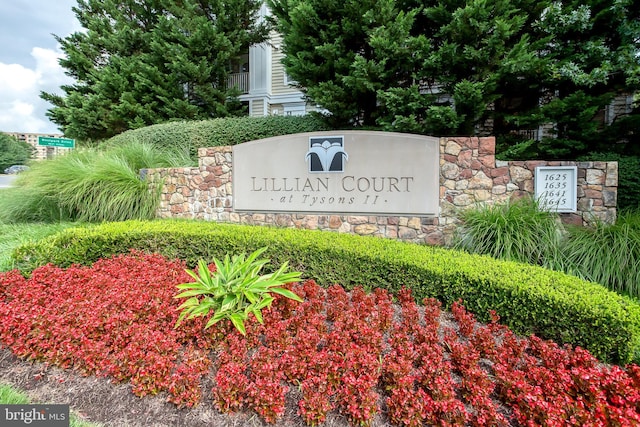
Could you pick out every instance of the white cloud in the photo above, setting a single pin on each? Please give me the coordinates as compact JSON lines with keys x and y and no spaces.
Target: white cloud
{"x":29,"y":60}
{"x":20,"y":114}
{"x":15,"y":79}
{"x":21,"y":108}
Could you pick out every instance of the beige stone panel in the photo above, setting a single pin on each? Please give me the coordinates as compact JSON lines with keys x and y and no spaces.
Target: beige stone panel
{"x":176,"y":198}
{"x":480,"y":181}
{"x":220,"y":158}
{"x":435,"y":239}
{"x":447,"y":209}
{"x":365,"y":229}
{"x":207,"y":161}
{"x":450,"y":171}
{"x":612,"y":175}
{"x":462,"y":184}
{"x":499,"y":189}
{"x":610,"y":197}
{"x":449,"y":184}
{"x":406,"y":233}
{"x":519,"y":174}
{"x":463,"y":200}
{"x":334,"y":222}
{"x":528,"y":186}
{"x":452,"y":148}
{"x":414,"y":223}
{"x":595,"y":177}
{"x":383,"y":173}
{"x":482,"y":195}
{"x":311,"y":222}
{"x":357,"y":219}
{"x":600,"y":165}
{"x":391,"y":233}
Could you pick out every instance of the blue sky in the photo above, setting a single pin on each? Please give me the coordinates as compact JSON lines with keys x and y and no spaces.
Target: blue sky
{"x":29,"y":60}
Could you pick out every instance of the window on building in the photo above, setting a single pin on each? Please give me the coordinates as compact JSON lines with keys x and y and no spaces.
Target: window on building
{"x":288,"y":80}
{"x":297,"y":109}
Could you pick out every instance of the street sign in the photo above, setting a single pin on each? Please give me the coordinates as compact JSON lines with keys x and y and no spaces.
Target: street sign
{"x":56,"y":142}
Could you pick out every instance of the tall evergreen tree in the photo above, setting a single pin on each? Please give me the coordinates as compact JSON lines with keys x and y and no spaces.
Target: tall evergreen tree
{"x":141,"y":62}
{"x":342,"y":53}
{"x":591,"y":53}
{"x":428,"y":67}
{"x":465,"y":67}
{"x":477,"y":45}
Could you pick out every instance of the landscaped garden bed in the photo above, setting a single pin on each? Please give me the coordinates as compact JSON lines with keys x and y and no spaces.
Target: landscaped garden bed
{"x":528,"y":299}
{"x":354,"y":353}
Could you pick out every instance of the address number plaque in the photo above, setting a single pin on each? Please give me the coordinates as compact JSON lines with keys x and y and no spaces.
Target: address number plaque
{"x":556,"y":188}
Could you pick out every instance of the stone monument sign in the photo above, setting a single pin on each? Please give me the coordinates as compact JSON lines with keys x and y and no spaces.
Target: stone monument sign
{"x":341,"y":172}
{"x":393,"y":185}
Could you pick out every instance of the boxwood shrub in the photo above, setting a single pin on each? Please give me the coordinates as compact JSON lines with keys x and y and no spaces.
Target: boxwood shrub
{"x":221,"y":131}
{"x":529,"y":299}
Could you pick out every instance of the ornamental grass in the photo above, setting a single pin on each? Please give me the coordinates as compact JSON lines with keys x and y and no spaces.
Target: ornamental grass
{"x":89,"y":185}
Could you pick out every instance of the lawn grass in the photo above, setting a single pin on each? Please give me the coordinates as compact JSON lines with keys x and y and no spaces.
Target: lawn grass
{"x":13,"y":235}
{"x":10,"y":396}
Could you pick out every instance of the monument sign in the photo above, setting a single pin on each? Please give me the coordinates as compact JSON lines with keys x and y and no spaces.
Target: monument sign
{"x":339,"y":172}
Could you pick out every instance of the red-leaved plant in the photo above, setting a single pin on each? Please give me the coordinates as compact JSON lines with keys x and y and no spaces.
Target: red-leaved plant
{"x":354,"y":353}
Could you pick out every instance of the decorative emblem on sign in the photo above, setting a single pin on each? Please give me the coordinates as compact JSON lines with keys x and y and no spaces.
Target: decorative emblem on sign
{"x":326,"y":154}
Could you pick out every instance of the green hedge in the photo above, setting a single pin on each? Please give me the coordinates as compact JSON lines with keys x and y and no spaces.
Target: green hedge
{"x":221,"y":131}
{"x":529,"y":299}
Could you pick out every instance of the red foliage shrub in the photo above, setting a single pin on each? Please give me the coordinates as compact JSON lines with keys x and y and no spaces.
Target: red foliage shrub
{"x":345,"y":352}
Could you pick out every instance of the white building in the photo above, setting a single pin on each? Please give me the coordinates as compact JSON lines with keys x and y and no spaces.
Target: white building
{"x":261,"y":78}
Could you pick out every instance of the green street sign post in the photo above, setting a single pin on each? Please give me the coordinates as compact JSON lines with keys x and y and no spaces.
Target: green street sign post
{"x":56,"y":142}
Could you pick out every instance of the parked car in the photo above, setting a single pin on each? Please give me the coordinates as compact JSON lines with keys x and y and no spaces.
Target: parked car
{"x":15,"y":169}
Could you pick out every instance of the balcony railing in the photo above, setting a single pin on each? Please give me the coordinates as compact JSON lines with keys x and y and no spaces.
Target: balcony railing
{"x":530,"y":133}
{"x":241,"y":80}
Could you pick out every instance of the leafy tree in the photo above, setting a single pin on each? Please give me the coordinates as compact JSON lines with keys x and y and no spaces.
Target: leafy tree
{"x":144,"y":62}
{"x":428,"y":67}
{"x":342,"y":53}
{"x":591,"y":54}
{"x":466,"y":67}
{"x":479,"y":46}
{"x":13,"y":151}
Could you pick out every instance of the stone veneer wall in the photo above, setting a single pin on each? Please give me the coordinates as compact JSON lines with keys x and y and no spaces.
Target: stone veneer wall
{"x":469,"y":173}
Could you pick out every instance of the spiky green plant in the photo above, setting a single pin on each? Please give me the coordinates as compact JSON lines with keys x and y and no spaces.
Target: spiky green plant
{"x":516,"y":230}
{"x":90,"y":185}
{"x":234,"y":290}
{"x":606,"y":253}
